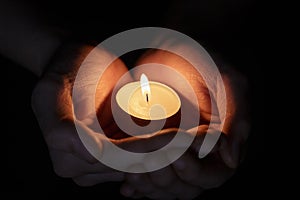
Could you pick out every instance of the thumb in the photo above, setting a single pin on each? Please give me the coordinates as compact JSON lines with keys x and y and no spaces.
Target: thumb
{"x":157,"y":141}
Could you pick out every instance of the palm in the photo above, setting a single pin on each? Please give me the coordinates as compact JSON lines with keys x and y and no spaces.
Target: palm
{"x":181,"y":76}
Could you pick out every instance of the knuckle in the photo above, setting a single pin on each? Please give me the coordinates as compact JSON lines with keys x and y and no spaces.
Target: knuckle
{"x":62,"y":171}
{"x":213,"y":183}
{"x":38,"y":93}
{"x":165,"y":182}
{"x":64,"y":164}
{"x":134,"y":178}
{"x":60,"y":139}
{"x":82,"y":181}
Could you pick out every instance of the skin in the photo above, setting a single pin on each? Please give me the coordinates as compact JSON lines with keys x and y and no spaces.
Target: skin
{"x":185,"y":178}
{"x":189,"y":176}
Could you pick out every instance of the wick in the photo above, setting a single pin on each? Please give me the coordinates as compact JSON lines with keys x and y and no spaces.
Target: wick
{"x":147,"y":98}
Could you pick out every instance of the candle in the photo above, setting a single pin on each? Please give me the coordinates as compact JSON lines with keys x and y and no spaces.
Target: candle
{"x":146,"y":107}
{"x":148,"y":100}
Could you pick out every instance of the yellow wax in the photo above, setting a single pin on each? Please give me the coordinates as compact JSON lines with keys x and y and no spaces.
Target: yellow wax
{"x":163,"y":101}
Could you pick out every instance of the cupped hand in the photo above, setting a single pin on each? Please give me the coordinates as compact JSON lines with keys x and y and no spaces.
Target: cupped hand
{"x":53,"y":107}
{"x":187,"y":177}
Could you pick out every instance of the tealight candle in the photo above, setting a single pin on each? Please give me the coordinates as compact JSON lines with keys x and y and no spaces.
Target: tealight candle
{"x":152,"y":106}
{"x":148,"y":100}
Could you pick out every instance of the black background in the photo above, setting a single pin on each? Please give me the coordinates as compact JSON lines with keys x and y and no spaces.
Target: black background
{"x":231,"y":28}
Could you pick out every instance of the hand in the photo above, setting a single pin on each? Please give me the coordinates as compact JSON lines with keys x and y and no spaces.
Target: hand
{"x":52,"y":105}
{"x":236,"y":126}
{"x":189,"y":176}
{"x":64,"y":144}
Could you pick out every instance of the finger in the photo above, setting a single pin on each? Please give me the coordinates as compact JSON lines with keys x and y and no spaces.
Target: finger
{"x":129,"y":190}
{"x":168,"y":177}
{"x":92,"y":98}
{"x":176,"y":190}
{"x":199,"y":132}
{"x":182,"y":190}
{"x":236,"y":127}
{"x":65,"y":138}
{"x":159,"y":140}
{"x":156,"y":141}
{"x":153,"y":185}
{"x":230,"y":150}
{"x":113,"y":131}
{"x":95,"y":81}
{"x":136,"y":184}
{"x":51,"y":99}
{"x":93,"y":179}
{"x":140,"y":183}
{"x":188,"y":169}
{"x":57,"y":124}
{"x":209,"y":172}
{"x":51,"y":103}
{"x":170,"y":183}
{"x":160,"y":194}
{"x":52,"y":107}
{"x":180,"y":74}
{"x":68,"y":165}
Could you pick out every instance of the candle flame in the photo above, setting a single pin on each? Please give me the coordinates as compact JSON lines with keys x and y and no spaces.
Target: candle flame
{"x":145,"y":87}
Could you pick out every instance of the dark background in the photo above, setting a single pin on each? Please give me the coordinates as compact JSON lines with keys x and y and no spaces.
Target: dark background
{"x":233,"y":29}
